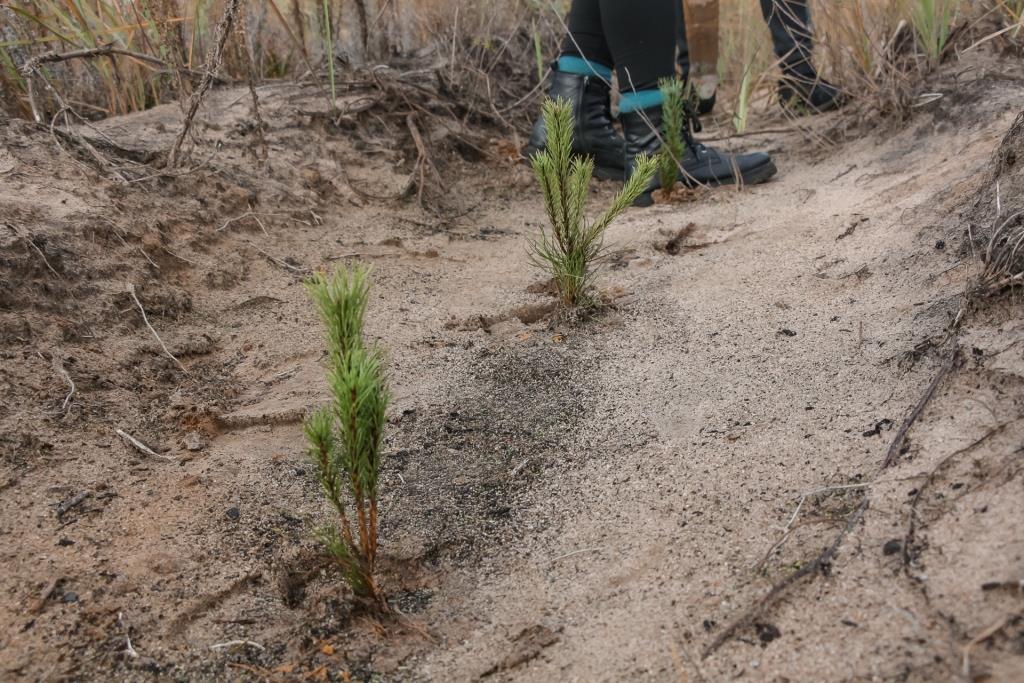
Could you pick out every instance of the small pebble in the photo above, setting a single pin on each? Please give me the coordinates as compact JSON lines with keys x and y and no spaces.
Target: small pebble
{"x":892,"y":547}
{"x":233,"y":513}
{"x":70,"y":596}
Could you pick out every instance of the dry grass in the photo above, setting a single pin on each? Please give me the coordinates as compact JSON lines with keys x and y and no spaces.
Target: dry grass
{"x":494,"y":53}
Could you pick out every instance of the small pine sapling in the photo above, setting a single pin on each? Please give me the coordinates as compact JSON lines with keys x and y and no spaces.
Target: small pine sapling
{"x":345,"y":438}
{"x":573,"y":247}
{"x":673,"y":118}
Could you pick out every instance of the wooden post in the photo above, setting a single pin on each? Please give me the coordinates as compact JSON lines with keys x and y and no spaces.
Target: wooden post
{"x":702,"y":38}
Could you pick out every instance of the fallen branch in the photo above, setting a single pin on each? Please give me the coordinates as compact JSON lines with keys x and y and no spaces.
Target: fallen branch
{"x":145,"y":319}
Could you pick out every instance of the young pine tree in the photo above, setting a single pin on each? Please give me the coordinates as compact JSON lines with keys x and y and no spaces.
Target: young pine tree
{"x":345,"y":437}
{"x":673,"y":118}
{"x":573,"y":247}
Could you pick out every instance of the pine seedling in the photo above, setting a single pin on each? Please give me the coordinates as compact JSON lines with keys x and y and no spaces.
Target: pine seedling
{"x":345,"y":438}
{"x":673,"y":118}
{"x":573,"y":247}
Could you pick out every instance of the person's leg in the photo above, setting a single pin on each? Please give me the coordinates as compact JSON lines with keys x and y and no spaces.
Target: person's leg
{"x":582,"y":76}
{"x":793,"y":39}
{"x":584,"y":49}
{"x":642,"y":38}
{"x":682,"y":47}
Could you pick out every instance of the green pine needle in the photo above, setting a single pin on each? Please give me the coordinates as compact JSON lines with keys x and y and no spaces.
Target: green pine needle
{"x":673,"y":118}
{"x":572,"y":249}
{"x":345,"y":439}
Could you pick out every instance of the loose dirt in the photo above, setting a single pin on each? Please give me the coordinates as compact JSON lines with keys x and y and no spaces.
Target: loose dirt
{"x":580,"y":500}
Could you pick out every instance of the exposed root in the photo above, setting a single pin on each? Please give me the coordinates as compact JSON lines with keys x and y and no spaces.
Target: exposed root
{"x":823,"y":561}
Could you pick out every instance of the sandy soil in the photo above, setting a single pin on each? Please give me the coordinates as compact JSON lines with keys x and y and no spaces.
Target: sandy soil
{"x":583,"y":501}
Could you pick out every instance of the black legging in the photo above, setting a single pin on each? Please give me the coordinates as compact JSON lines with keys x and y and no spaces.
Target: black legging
{"x":636,"y":37}
{"x":790,"y":24}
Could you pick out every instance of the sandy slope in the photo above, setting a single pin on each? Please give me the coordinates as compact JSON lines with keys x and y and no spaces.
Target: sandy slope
{"x":583,"y":502}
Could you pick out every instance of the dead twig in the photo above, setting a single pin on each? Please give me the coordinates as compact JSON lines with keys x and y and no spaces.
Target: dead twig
{"x":235,"y":643}
{"x":67,"y":378}
{"x":72,"y":502}
{"x":28,"y":238}
{"x":44,"y":596}
{"x":128,"y":649}
{"x":987,"y":633}
{"x":145,"y":319}
{"x":139,"y":446}
{"x":298,"y":270}
{"x":33,"y":64}
{"x":821,"y":563}
{"x":824,"y":559}
{"x":908,"y":538}
{"x":790,"y":525}
{"x":213,"y":62}
{"x":896,"y":447}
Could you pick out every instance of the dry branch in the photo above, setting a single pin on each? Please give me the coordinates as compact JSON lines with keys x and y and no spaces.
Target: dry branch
{"x":107,"y":50}
{"x":213,"y":62}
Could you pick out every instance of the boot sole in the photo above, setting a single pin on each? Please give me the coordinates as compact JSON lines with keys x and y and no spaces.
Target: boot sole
{"x":600,"y":172}
{"x":753,"y":176}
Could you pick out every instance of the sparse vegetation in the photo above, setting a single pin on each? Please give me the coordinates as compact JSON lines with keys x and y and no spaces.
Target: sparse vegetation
{"x":933,"y":21}
{"x":673,"y":118}
{"x":345,"y":438}
{"x":571,"y":250}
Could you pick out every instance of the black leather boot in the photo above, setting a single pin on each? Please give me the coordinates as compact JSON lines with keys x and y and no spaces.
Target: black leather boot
{"x":807,"y":93}
{"x":701,"y":165}
{"x":593,"y":135}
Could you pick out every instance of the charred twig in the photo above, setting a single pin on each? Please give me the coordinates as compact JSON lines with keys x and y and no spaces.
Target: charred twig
{"x":145,"y":319}
{"x":72,"y":502}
